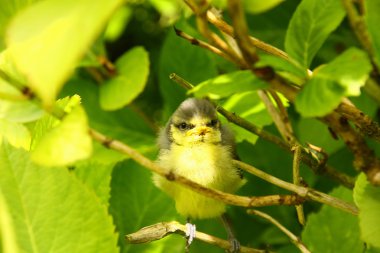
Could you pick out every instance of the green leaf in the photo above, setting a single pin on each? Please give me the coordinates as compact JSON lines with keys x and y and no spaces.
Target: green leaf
{"x":20,"y":111}
{"x":66,"y":143}
{"x":372,"y":8}
{"x":332,"y":230}
{"x":118,"y":23}
{"x":49,"y":49}
{"x":133,"y":70}
{"x":249,"y":106}
{"x":228,"y":84}
{"x":351,"y":70}
{"x":125,"y":125}
{"x":8,"y":10}
{"x":344,"y":76}
{"x":259,"y":6}
{"x":97,"y":177}
{"x":50,"y":209}
{"x":311,"y":24}
{"x":319,"y":97}
{"x":8,"y":243}
{"x":367,"y":199}
{"x":191,"y":63}
{"x":280,"y":64}
{"x":15,"y":133}
{"x":135,"y":202}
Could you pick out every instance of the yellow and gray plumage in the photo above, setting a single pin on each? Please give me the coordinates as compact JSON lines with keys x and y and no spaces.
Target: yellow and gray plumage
{"x":195,"y":145}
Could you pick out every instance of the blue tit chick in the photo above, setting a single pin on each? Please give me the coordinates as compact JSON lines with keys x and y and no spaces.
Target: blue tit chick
{"x":195,"y":144}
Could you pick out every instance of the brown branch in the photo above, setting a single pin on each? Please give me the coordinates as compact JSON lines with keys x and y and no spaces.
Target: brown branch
{"x":160,"y":230}
{"x":297,"y":180}
{"x":364,"y":157}
{"x":213,"y":38}
{"x":308,"y":193}
{"x":279,"y":116}
{"x":363,"y":122}
{"x":241,"y":31}
{"x":358,"y":25}
{"x":293,"y":238}
{"x":227,"y":29}
{"x":302,"y":192}
{"x":212,"y":193}
{"x":205,"y":45}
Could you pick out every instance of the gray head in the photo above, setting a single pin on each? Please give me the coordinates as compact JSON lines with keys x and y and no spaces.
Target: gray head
{"x":193,"y":123}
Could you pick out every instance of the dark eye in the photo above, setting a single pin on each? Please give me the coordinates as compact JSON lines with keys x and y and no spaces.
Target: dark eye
{"x":213,"y":123}
{"x":183,"y":126}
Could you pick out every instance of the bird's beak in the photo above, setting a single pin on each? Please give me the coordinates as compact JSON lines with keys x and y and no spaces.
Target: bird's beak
{"x":200,"y":130}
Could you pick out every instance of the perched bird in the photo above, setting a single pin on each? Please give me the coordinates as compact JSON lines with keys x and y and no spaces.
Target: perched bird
{"x":195,"y":145}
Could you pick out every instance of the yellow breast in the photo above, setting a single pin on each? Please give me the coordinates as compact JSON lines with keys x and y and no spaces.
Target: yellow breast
{"x":207,"y":164}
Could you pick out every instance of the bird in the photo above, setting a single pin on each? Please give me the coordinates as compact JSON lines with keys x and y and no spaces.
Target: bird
{"x":194,"y":144}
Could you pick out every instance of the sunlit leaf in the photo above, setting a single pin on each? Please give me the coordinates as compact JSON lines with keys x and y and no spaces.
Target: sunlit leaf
{"x":281,"y":65}
{"x":118,"y":23}
{"x":228,"y":84}
{"x":15,"y":133}
{"x":66,"y":143}
{"x":367,"y":198}
{"x":311,"y":24}
{"x":133,"y":70}
{"x":8,"y":243}
{"x":350,"y":70}
{"x":8,"y":10}
{"x":258,"y":6}
{"x":344,"y":76}
{"x":48,"y":39}
{"x":319,"y":97}
{"x":51,"y":210}
{"x":97,"y":177}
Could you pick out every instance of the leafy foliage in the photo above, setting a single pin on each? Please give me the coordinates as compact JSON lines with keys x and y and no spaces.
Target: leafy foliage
{"x":310,"y":26}
{"x":51,"y":210}
{"x":70,"y":66}
{"x":366,"y":197}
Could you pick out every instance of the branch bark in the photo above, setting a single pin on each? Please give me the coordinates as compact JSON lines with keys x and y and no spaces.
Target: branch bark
{"x":160,"y":230}
{"x":293,"y":238}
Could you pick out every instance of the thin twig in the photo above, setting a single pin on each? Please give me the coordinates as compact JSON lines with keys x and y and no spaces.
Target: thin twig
{"x":278,"y":119}
{"x":227,"y":29}
{"x":203,"y":44}
{"x":302,"y":191}
{"x":226,"y":197}
{"x":160,"y":230}
{"x":297,"y":180}
{"x":293,"y":238}
{"x":241,"y":31}
{"x":358,"y":25}
{"x":212,"y":193}
{"x":12,"y":97}
{"x":213,"y":38}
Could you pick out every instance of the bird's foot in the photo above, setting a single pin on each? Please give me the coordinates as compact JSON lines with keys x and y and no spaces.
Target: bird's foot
{"x":235,"y":245}
{"x":190,"y":234}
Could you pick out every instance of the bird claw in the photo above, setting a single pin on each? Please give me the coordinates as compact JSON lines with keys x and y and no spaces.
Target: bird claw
{"x":190,"y":233}
{"x":235,"y":246}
